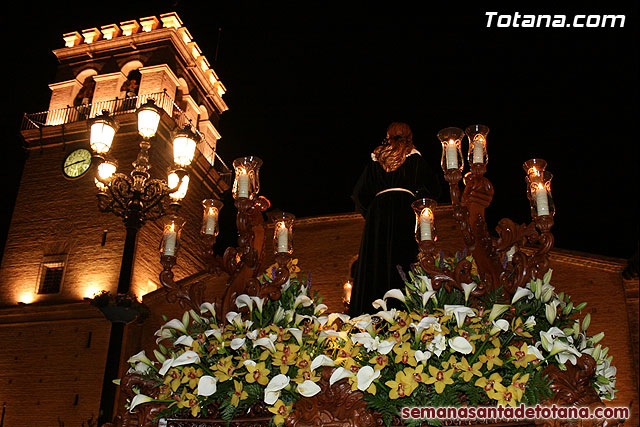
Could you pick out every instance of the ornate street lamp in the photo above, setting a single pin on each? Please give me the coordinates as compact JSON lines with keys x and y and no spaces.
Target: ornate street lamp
{"x":136,"y":198}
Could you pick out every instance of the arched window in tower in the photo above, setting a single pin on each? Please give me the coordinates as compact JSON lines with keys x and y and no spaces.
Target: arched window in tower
{"x":130,"y":88}
{"x":84,"y":97}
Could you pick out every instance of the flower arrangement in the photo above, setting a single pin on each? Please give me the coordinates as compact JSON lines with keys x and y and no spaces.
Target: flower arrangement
{"x":441,"y":349}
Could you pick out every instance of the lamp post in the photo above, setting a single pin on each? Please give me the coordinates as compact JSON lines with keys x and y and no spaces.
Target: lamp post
{"x":136,"y":198}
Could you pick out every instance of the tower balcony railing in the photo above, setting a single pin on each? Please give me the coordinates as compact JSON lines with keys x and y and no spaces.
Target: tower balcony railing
{"x":119,"y":106}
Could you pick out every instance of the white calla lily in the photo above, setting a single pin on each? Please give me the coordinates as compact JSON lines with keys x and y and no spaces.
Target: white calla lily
{"x":520,"y":293}
{"x":425,"y":283}
{"x":163,"y":334}
{"x":499,"y":325}
{"x":333,"y":316}
{"x":244,"y":300}
{"x":139,"y":399}
{"x":266,"y":343}
{"x":308,"y":388}
{"x":426,"y":296}
{"x":461,"y":345}
{"x":175,"y":324}
{"x":207,"y":306}
{"x":184,"y":340}
{"x":321,"y":360}
{"x":140,"y":357}
{"x":395,"y":293}
{"x":379,"y":304}
{"x":339,"y":374}
{"x":422,"y":356}
{"x":460,"y":312}
{"x":389,"y":316}
{"x":217,"y":333}
{"x":320,"y":308}
{"x":207,"y":385}
{"x":272,"y":391}
{"x":165,"y":366}
{"x":186,"y":358}
{"x":259,"y":303}
{"x":236,"y":343}
{"x":534,"y":350}
{"x":386,"y":346}
{"x":467,"y":288}
{"x":302,"y":299}
{"x":297,"y":334}
{"x":365,"y":376}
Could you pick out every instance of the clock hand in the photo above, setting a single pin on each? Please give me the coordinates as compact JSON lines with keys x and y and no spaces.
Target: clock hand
{"x":74,"y":163}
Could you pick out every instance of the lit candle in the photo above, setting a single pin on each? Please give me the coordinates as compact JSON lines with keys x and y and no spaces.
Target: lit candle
{"x":347,"y":291}
{"x":243,"y":183}
{"x":170,"y":239}
{"x":211,"y":220}
{"x":542,"y":202}
{"x":452,"y":155}
{"x":478,"y":150}
{"x":425,"y":224}
{"x":283,"y":237}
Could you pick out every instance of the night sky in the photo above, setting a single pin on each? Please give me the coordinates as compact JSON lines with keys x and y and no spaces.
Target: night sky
{"x":311,"y":89}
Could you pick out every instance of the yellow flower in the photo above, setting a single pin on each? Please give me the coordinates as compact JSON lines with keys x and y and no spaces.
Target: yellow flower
{"x":285,"y":356}
{"x":491,"y":357}
{"x":173,"y":378}
{"x":508,"y":396}
{"x":519,"y":384}
{"x":188,"y":400}
{"x":258,"y":373}
{"x":380,"y":361}
{"x":306,"y":374}
{"x":402,"y":386}
{"x":345,"y":352}
{"x":239,"y":394}
{"x":492,"y":385}
{"x":451,"y":363}
{"x":521,"y":356}
{"x":517,"y":326}
{"x":402,"y":324}
{"x":191,"y":376}
{"x":224,"y":369}
{"x":417,"y":374}
{"x":280,"y":410}
{"x":404,"y":354}
{"x":468,"y":371}
{"x":439,"y":378}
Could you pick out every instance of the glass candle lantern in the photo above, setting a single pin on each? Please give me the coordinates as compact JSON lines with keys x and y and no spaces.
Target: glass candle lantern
{"x":106,"y":170}
{"x":210,"y":225}
{"x":425,"y":219}
{"x":451,"y":154}
{"x":348,"y":287}
{"x":539,"y":193}
{"x":283,"y":233}
{"x":477,"y":135}
{"x":184,"y":146}
{"x":172,"y":226}
{"x":247,"y":182}
{"x":148,"y":118}
{"x":103,"y":129}
{"x":173,"y":181}
{"x":534,"y":168}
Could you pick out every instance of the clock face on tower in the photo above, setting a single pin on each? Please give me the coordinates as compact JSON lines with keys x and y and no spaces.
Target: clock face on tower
{"x":76,"y":163}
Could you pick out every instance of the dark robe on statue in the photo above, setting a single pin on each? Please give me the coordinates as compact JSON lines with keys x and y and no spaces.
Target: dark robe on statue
{"x":388,"y":239}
